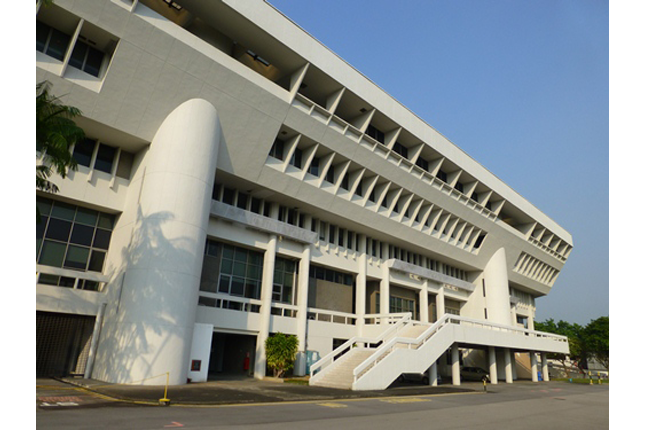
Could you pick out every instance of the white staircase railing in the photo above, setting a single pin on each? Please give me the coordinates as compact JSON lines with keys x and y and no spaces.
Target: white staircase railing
{"x":396,"y":322}
{"x":403,"y":342}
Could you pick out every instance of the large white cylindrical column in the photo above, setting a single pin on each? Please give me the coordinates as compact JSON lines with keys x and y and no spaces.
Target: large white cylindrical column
{"x":497,"y":294}
{"x":157,"y":253}
{"x":268,"y":269}
{"x":441,"y":303}
{"x":423,"y":302}
{"x":384,"y":287}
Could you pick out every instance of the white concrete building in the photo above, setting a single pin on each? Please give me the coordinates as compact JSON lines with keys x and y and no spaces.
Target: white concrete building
{"x":239,"y":179}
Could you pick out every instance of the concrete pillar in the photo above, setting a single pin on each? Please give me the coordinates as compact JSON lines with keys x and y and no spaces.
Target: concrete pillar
{"x":508,"y":367}
{"x":361,"y":284}
{"x":432,"y":375}
{"x":492,"y":364}
{"x":441,"y":303}
{"x":384,"y":286}
{"x":157,"y":252}
{"x":300,"y":366}
{"x":497,"y":294}
{"x":514,"y":365}
{"x":534,"y":366}
{"x":265,"y":308}
{"x":456,"y":377}
{"x":531,"y":321}
{"x":423,"y":302}
{"x":545,"y":367}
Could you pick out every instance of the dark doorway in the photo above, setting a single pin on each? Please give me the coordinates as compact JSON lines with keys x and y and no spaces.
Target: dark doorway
{"x":62,"y":343}
{"x":229,"y":354}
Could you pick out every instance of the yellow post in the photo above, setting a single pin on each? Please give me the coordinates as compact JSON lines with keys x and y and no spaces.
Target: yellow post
{"x":165,"y":401}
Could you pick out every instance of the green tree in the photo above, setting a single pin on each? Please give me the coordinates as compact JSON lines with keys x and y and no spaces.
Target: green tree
{"x":281,"y":353}
{"x":596,"y":339}
{"x":56,"y":133}
{"x":577,"y":347}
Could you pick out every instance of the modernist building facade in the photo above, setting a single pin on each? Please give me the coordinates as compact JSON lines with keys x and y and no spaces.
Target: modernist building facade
{"x":239,"y":179}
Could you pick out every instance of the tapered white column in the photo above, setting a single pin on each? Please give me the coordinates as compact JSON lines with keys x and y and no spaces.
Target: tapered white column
{"x":534,"y":366}
{"x":157,"y":252}
{"x":508,"y":367}
{"x":545,"y":367}
{"x":265,"y":308}
{"x":492,"y":364}
{"x":456,"y":377}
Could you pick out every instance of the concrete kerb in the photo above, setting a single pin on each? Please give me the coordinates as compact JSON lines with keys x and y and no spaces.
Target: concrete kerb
{"x":254,"y":392}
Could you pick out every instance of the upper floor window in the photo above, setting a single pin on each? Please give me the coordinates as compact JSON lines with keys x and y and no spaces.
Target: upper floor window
{"x":375,"y":133}
{"x":72,"y":237}
{"x":51,"y":41}
{"x":314,"y":167}
{"x":277,"y":150}
{"x":442,"y":176}
{"x":400,"y":149}
{"x":86,"y":58}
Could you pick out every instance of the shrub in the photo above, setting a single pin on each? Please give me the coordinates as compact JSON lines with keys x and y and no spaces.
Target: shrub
{"x":281,"y":353}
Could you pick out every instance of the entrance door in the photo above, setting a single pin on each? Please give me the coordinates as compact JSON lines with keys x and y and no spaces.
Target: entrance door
{"x":229,"y":354}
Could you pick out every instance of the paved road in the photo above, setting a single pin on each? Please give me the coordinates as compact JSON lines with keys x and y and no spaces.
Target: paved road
{"x":522,"y":405}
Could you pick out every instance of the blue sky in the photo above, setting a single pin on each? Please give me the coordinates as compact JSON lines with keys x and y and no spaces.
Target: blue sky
{"x":521,"y":86}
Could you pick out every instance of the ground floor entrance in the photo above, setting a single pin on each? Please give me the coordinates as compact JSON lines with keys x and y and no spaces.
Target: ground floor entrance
{"x":62,"y":343}
{"x":231,"y":354}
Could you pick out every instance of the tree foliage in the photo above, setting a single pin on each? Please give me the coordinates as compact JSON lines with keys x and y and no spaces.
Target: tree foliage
{"x":590,"y":341}
{"x":281,"y":353}
{"x":56,"y":133}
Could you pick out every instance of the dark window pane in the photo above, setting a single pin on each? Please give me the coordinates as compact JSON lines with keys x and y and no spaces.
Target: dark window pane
{"x":94,"y":61}
{"x":82,"y":234}
{"x":89,"y":285}
{"x":102,"y":238}
{"x":58,"y":229}
{"x":86,"y":216}
{"x":237,"y":286}
{"x":77,"y":257}
{"x":105,"y":158}
{"x":83,"y":152}
{"x":57,"y":45}
{"x":106,"y":221}
{"x":44,"y":206}
{"x":96,"y":261}
{"x":78,"y":55}
{"x":42,"y":31}
{"x":52,"y":254}
{"x":63,"y":211}
{"x":223,"y":283}
{"x":66,"y":282}
{"x":48,"y":279}
{"x":228,"y":196}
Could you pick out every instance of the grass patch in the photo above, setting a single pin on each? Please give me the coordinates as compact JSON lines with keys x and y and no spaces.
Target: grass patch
{"x":296,"y":381}
{"x":582,"y":380}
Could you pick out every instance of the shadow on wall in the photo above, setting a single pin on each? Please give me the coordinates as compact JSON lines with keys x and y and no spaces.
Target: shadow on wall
{"x":150,"y":304}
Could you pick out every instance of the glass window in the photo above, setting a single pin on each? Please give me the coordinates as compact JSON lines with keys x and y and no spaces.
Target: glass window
{"x":83,"y":152}
{"x":82,"y":234}
{"x":86,"y":58}
{"x":77,"y":257}
{"x":105,"y":158}
{"x":52,"y":253}
{"x":51,"y":41}
{"x":58,"y":229}
{"x":96,"y":261}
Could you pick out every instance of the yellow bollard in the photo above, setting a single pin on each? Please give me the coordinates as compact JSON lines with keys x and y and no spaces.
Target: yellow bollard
{"x":165,"y":401}
{"x":590,"y":380}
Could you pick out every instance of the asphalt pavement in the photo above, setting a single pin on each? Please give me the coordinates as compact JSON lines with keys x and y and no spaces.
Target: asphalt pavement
{"x":78,"y":392}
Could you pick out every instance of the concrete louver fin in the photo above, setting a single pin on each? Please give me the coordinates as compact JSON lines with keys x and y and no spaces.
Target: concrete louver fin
{"x":453,"y":177}
{"x":392,"y":136}
{"x":368,"y":186}
{"x":424,"y":214}
{"x":289,"y":149}
{"x":325,"y":164}
{"x":340,"y":175}
{"x":355,"y":179}
{"x":415,"y":152}
{"x":485,"y":197}
{"x":403,"y":206}
{"x":393,"y":198}
{"x":433,"y":219}
{"x":381,"y":193}
{"x":362,"y":121}
{"x":307,"y":156}
{"x":296,"y":80}
{"x":469,"y":188}
{"x":473,"y":240}
{"x":441,"y":224}
{"x":466,"y":236}
{"x":413,"y":209}
{"x":450,"y":227}
{"x":333,"y":100}
{"x":458,"y":231}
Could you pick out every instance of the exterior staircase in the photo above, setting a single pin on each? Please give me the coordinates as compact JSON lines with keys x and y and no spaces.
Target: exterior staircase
{"x":407,"y":346}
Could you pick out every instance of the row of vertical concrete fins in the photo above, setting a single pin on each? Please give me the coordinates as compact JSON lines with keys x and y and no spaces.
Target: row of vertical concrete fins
{"x":416,"y":347}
